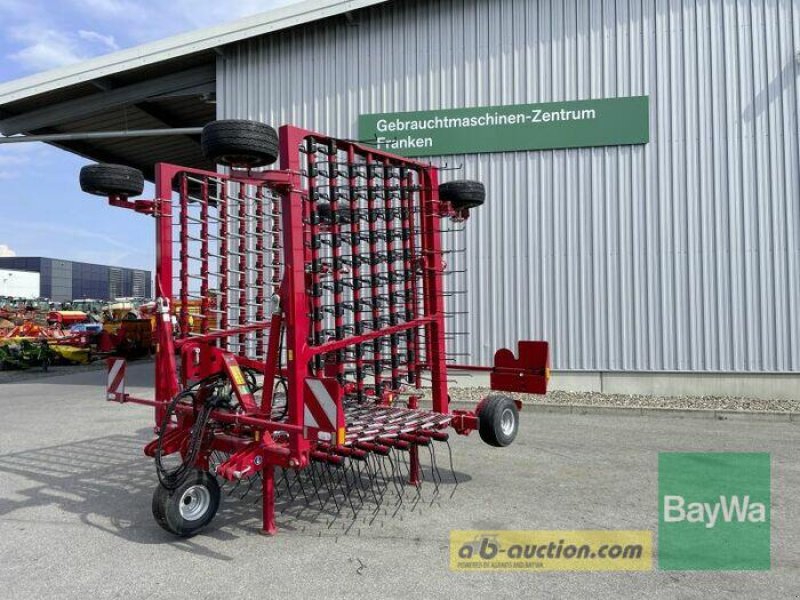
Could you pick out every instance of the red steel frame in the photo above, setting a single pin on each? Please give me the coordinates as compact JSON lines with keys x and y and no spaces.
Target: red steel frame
{"x":412,"y":326}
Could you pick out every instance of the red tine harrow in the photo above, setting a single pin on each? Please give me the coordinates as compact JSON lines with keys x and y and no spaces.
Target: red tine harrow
{"x":301,"y":322}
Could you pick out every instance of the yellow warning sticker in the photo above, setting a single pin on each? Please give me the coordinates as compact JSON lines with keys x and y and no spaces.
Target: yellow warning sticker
{"x":236,"y":375}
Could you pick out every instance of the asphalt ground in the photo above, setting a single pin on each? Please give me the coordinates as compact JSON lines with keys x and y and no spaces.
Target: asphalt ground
{"x":75,"y":516}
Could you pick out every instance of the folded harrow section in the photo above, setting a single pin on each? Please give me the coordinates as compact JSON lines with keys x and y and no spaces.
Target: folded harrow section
{"x":227,"y":253}
{"x":373,"y":266}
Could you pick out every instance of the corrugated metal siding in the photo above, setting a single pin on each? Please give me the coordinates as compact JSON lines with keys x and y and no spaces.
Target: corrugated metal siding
{"x":683,"y":254}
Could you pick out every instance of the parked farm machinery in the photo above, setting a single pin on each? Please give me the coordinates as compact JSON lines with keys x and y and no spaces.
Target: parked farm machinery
{"x":71,"y":337}
{"x":310,"y":324}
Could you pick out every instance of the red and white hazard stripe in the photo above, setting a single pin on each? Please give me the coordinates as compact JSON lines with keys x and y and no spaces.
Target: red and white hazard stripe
{"x":321,"y":414}
{"x":320,"y":407}
{"x":115,"y":388}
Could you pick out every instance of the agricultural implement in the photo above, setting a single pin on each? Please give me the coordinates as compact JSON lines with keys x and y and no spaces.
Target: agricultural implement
{"x":310,"y":327}
{"x":26,"y":353}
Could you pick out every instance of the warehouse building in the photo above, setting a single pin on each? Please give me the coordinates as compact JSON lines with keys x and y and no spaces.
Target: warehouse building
{"x":19,"y":284}
{"x":62,"y":280}
{"x":641,"y":159}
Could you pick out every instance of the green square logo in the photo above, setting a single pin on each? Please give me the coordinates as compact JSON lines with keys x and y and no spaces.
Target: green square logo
{"x":714,"y":511}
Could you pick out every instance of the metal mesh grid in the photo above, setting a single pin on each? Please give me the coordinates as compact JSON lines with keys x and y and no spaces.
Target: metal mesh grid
{"x":365,"y":272}
{"x":227,"y":250}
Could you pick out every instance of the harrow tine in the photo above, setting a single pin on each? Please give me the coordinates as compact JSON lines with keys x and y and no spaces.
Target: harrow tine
{"x":452,"y":468}
{"x":348,"y":489}
{"x":288,"y":485}
{"x":235,"y":487}
{"x":372,"y":480}
{"x":249,"y":487}
{"x":315,"y":485}
{"x":361,"y":487}
{"x":434,"y":470}
{"x":348,"y":468}
{"x":395,"y":475}
{"x":327,"y":477}
{"x":261,"y":487}
{"x":299,"y":480}
{"x":379,"y":468}
{"x":364,"y":486}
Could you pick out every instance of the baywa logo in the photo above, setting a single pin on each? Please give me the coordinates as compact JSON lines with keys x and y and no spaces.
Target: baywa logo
{"x":729,"y":508}
{"x":714,"y":511}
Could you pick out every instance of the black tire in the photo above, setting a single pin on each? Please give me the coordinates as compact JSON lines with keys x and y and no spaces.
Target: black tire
{"x":199,"y":496}
{"x":463,"y":194}
{"x":498,"y":421}
{"x":111,"y":180}
{"x":242,"y":144}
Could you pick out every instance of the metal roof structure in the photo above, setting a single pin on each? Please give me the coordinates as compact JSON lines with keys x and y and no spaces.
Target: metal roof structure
{"x":170,"y":83}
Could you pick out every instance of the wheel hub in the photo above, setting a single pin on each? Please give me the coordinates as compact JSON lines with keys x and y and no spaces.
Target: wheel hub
{"x":507,"y":421}
{"x":194,"y":503}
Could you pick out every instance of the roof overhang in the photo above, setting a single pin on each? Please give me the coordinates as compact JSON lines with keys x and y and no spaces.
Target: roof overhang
{"x":170,"y":84}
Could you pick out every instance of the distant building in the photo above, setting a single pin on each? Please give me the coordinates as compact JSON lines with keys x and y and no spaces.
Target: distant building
{"x":62,"y":280}
{"x":19,"y":284}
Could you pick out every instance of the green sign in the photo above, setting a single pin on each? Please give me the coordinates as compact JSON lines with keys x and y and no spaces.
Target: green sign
{"x":714,"y":511}
{"x":578,"y":124}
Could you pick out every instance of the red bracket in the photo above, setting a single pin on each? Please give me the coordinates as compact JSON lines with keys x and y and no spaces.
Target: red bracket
{"x":242,"y":464}
{"x":145,"y":207}
{"x":464,"y":421}
{"x":172,"y":442}
{"x":528,"y":374}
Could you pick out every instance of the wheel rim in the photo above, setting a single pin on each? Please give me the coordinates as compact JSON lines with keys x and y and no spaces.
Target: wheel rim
{"x":507,"y":421}
{"x":194,"y":502}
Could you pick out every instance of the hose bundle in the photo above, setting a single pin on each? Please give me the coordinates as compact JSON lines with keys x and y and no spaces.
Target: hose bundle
{"x":218,"y":393}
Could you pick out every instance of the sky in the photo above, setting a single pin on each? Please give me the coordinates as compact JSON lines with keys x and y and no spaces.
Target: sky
{"x":42,"y":210}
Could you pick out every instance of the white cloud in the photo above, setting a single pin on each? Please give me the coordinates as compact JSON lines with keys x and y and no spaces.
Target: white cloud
{"x":104,"y":40}
{"x":147,"y":23}
{"x":108,"y":7}
{"x":45,"y":42}
{"x":16,"y":158}
{"x":212,"y":12}
{"x":5,"y":251}
{"x":46,"y":49}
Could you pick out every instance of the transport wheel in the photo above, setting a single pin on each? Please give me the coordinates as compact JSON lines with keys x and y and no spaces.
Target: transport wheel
{"x":498,"y":421}
{"x":105,"y":179}
{"x":463,"y":194}
{"x":243,"y":144}
{"x":185,"y":510}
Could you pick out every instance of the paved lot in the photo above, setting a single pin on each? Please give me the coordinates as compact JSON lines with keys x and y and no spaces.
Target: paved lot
{"x":75,"y":517}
